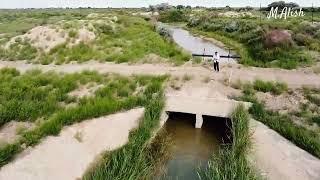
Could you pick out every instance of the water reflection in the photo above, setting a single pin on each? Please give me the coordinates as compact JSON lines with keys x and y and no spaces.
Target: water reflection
{"x":191,"y":148}
{"x":197,"y":45}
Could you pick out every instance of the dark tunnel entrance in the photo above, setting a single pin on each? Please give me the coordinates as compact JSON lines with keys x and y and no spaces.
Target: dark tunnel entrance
{"x":190,"y":147}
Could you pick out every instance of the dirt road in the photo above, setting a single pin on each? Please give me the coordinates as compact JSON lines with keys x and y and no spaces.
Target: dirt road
{"x":294,"y":78}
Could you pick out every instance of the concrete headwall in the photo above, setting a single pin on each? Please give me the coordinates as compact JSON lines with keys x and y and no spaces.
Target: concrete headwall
{"x":202,"y":106}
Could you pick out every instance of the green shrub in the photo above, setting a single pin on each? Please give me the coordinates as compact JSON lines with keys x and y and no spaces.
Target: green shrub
{"x":73,"y":34}
{"x":104,"y":28}
{"x":316,"y":120}
{"x":173,"y":16}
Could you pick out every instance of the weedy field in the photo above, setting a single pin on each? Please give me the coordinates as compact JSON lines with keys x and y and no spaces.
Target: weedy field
{"x":61,"y":36}
{"x":47,"y":100}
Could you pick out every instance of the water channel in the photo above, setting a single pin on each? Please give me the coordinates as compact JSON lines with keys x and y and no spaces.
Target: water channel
{"x":197,"y":45}
{"x":191,"y":148}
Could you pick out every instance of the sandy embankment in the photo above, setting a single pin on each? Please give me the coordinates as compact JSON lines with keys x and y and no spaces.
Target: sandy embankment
{"x":68,"y":155}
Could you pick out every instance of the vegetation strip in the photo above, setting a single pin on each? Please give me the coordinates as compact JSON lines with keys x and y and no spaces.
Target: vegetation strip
{"x":138,"y":159}
{"x":299,"y":135}
{"x":231,"y":162}
{"x":108,"y":100}
{"x":120,"y":37}
{"x":302,"y":137}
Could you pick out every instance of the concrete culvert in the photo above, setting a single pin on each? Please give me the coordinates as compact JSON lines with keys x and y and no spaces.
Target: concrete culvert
{"x":192,"y":147}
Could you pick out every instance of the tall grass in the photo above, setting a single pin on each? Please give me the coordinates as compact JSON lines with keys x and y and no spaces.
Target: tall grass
{"x":29,"y":96}
{"x":249,"y":89}
{"x":302,"y":137}
{"x":282,"y":123}
{"x":231,"y":163}
{"x":269,"y":86}
{"x":136,"y":160}
{"x":106,"y":101}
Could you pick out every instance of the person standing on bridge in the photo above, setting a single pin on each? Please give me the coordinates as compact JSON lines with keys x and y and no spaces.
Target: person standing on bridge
{"x":216,"y":59}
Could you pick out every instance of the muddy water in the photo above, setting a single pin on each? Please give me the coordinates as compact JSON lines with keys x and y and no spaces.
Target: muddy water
{"x":197,"y":45}
{"x":190,"y":148}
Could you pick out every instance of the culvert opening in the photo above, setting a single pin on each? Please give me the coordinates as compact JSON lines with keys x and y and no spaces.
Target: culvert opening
{"x":191,"y":147}
{"x":221,"y":126}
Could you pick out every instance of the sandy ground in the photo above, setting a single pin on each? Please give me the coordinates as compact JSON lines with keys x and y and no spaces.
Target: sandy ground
{"x":68,"y":155}
{"x":294,"y":78}
{"x":9,"y":132}
{"x":43,"y":37}
{"x":46,"y":38}
{"x":279,"y":159}
{"x":284,"y":102}
{"x":87,"y":90}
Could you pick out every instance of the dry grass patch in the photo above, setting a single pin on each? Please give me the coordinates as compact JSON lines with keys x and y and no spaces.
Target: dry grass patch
{"x":187,"y":77}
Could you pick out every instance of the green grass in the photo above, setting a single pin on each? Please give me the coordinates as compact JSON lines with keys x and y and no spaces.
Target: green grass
{"x":302,"y":137}
{"x":118,"y":93}
{"x":249,"y":89}
{"x":269,"y":86}
{"x":231,"y":162}
{"x":129,"y":39}
{"x":282,"y":123}
{"x":136,"y":160}
{"x":20,"y":49}
{"x":29,"y":96}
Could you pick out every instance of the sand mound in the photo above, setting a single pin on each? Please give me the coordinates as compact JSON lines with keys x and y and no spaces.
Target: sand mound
{"x":70,"y":154}
{"x":45,"y":38}
{"x":42,"y":37}
{"x":85,"y":36}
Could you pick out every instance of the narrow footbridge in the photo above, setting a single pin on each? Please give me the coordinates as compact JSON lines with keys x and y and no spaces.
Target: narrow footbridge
{"x":202,"y":107}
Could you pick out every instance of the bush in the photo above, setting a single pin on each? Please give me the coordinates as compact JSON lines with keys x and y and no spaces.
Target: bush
{"x":302,"y":40}
{"x":231,"y":27}
{"x":104,"y":28}
{"x":173,"y":16}
{"x":163,"y":31}
{"x":73,"y":34}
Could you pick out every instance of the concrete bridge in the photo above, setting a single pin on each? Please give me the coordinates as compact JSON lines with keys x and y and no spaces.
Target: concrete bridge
{"x":202,"y":107}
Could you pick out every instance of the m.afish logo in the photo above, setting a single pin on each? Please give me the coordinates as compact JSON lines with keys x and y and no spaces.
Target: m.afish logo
{"x":285,"y":13}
